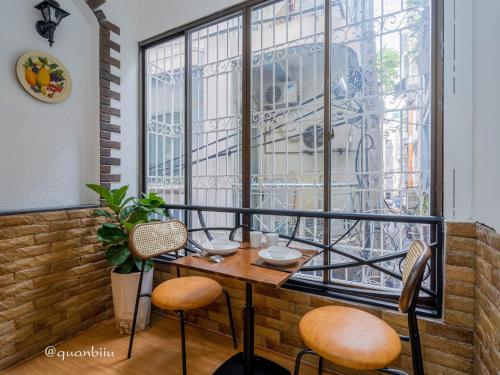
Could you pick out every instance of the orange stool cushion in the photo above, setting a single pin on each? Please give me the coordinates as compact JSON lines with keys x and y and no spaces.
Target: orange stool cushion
{"x":186,"y":293}
{"x":350,"y":337}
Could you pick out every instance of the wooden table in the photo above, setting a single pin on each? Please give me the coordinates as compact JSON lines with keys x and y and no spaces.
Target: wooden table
{"x":239,"y":266}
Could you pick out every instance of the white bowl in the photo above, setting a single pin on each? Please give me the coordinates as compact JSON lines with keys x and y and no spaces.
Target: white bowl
{"x":220,"y":247}
{"x":280,"y":255}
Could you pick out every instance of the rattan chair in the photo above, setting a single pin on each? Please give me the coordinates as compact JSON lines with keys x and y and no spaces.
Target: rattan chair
{"x":355,"y":339}
{"x":178,"y":294}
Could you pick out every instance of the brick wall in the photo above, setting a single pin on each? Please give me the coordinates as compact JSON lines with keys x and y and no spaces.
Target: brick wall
{"x":54,"y":280}
{"x":465,"y":341}
{"x":487,"y":302}
{"x":109,"y":83}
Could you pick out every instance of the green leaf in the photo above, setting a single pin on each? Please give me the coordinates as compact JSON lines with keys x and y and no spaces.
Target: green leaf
{"x":139,"y":215}
{"x":102,"y":213}
{"x":30,"y":61}
{"x":102,"y":191}
{"x":43,"y":60}
{"x":147,"y":267}
{"x":126,"y":211}
{"x":53,"y":66}
{"x":127,"y":201}
{"x":159,"y":211}
{"x":117,"y":254}
{"x":128,"y":226}
{"x":110,"y":233}
{"x":119,"y":194}
{"x":127,"y":266}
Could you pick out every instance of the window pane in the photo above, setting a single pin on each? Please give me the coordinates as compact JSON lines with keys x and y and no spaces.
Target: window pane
{"x":165,"y":120}
{"x":287,"y":112}
{"x":216,"y":52}
{"x":381,"y":108}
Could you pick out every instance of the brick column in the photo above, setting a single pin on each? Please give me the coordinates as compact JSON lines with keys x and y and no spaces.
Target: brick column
{"x":108,"y":113}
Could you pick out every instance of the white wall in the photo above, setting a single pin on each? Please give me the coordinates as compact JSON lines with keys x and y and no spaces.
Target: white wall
{"x":48,"y":151}
{"x":458,"y":110}
{"x":472,"y":129}
{"x":486,"y":135}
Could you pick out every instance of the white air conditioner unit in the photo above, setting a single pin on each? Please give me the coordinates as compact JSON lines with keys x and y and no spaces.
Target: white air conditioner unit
{"x":279,"y":94}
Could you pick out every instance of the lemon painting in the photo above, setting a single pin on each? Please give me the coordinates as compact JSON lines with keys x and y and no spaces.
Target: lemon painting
{"x":43,"y":76}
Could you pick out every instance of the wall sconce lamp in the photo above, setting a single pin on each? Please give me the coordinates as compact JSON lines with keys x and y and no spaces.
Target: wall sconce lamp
{"x":52,"y":15}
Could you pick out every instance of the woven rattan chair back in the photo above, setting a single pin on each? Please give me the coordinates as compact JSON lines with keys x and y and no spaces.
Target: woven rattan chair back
{"x":152,"y":239}
{"x":413,"y":269}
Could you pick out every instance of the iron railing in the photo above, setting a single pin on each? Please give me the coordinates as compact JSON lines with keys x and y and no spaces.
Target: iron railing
{"x":431,"y":291}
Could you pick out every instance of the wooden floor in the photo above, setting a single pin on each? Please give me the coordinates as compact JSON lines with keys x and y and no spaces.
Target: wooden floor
{"x":156,"y":351}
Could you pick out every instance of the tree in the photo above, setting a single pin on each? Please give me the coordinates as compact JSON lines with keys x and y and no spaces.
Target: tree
{"x":388,"y":64}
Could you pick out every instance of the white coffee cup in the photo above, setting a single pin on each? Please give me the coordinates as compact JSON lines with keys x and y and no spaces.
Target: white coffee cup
{"x":272,"y":239}
{"x":255,"y":239}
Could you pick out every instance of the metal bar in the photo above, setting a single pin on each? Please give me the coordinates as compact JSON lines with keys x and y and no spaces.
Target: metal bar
{"x":416,"y":351}
{"x":231,"y":320}
{"x":317,"y":214}
{"x":437,"y":90}
{"x":204,"y":226}
{"x":183,"y":341}
{"x":292,"y":237}
{"x":299,"y":358}
{"x":134,"y":320}
{"x":248,"y":331}
{"x":188,"y":98}
{"x":142,"y":126}
{"x":369,"y":297}
{"x":393,"y":371}
{"x":327,"y":168}
{"x":246,"y":135}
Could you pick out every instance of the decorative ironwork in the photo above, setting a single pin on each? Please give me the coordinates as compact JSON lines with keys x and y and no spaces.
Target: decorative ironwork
{"x":165,"y":120}
{"x":387,"y":264}
{"x":216,"y":113}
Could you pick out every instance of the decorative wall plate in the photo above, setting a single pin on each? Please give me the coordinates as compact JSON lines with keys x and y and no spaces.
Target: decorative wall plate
{"x":43,"y":76}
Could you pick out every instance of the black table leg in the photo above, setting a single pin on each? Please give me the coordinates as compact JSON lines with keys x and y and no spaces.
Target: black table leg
{"x":247,"y":363}
{"x":248,"y":347}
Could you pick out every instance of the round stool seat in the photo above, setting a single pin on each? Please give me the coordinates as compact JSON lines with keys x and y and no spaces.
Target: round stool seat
{"x":350,"y":337}
{"x":186,"y":293}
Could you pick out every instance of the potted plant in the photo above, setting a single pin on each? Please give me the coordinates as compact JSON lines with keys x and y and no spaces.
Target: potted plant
{"x":122,"y":214}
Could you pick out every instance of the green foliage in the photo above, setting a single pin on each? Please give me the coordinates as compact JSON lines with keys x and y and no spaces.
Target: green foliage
{"x":388,"y":64}
{"x":122,"y":215}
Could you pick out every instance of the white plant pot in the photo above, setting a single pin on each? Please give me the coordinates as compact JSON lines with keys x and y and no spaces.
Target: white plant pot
{"x":124,"y":288}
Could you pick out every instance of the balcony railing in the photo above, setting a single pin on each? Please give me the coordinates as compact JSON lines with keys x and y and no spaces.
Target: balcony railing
{"x":360,"y":262}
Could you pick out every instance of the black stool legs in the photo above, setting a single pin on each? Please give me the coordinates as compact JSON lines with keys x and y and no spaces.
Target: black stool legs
{"x":183,"y":341}
{"x":231,"y":321}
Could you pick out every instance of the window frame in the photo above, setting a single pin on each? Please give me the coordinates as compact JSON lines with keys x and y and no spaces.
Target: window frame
{"x":245,"y":9}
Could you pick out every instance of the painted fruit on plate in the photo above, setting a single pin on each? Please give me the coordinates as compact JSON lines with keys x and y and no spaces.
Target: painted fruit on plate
{"x":43,"y":76}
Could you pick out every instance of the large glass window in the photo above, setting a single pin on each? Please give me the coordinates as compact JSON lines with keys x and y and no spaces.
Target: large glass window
{"x":164,"y":114}
{"x":359,"y":71}
{"x":216,"y":116}
{"x":287,"y":112}
{"x":380,"y":68}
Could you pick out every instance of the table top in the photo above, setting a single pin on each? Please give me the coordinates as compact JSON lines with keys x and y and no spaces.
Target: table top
{"x":238,"y":266}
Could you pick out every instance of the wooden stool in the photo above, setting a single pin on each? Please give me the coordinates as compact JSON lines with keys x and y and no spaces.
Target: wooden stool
{"x":182,"y":293}
{"x":355,"y":339}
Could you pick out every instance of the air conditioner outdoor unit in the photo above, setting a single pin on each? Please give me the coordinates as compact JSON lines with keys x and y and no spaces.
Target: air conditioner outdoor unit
{"x":280,"y":94}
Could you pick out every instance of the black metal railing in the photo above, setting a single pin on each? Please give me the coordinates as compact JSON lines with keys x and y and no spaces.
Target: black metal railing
{"x":388,"y":265}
